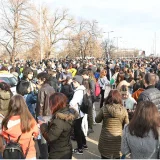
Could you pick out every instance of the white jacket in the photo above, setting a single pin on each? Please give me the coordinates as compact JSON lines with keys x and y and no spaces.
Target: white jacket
{"x":77,"y":99}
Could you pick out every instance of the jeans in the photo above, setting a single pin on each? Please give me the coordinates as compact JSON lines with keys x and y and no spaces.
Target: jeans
{"x":79,"y":135}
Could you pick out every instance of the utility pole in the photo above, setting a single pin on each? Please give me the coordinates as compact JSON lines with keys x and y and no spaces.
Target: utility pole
{"x":40,"y":30}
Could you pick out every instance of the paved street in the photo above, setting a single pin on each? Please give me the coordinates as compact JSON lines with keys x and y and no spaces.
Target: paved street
{"x":92,"y":142}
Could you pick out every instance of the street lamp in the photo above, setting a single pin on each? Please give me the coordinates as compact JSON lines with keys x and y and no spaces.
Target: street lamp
{"x":108,"y":48}
{"x":117,"y":41}
{"x":41,"y":47}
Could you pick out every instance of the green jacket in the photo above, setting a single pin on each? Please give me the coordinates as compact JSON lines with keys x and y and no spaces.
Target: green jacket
{"x":113,"y":117}
{"x":4,"y":101}
{"x":58,"y":132}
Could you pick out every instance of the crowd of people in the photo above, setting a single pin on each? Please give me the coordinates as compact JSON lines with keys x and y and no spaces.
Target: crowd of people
{"x":46,"y":112}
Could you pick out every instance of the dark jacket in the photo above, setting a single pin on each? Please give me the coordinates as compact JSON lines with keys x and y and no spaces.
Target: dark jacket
{"x":92,"y":87}
{"x":58,"y":133}
{"x":31,"y":99}
{"x":44,"y":93}
{"x":68,"y":91}
{"x":54,"y":83}
{"x":151,"y":94}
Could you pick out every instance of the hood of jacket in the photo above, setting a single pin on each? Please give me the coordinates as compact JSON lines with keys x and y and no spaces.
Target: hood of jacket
{"x":115,"y":110}
{"x":64,"y":114}
{"x":5,"y":95}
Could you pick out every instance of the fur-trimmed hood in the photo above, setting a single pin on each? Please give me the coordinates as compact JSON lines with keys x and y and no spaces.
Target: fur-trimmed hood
{"x":64,"y":114}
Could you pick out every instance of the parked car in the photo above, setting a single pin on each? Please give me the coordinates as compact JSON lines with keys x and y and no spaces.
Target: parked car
{"x":9,"y":79}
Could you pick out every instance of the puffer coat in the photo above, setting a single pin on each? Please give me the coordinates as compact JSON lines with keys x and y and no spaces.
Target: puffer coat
{"x":4,"y":101}
{"x":58,"y":132}
{"x":114,"y":117}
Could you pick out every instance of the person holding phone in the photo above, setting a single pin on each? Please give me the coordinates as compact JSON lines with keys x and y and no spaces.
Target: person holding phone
{"x":58,"y":131}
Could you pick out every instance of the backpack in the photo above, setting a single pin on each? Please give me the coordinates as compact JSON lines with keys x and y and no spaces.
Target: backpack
{"x":97,"y":89}
{"x":13,"y":150}
{"x":86,"y":103}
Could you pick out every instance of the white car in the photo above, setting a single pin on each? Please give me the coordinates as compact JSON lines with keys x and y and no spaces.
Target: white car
{"x":9,"y":79}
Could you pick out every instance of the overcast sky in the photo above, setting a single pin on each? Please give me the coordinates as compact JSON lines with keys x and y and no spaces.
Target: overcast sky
{"x":136,"y":21}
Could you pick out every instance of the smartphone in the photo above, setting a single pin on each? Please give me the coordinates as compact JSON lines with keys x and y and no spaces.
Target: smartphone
{"x":40,"y":118}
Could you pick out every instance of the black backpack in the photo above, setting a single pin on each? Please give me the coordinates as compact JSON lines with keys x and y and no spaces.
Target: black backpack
{"x":13,"y":150}
{"x":86,"y":103}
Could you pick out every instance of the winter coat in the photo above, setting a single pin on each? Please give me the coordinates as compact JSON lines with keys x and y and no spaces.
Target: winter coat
{"x":113,"y":117}
{"x":4,"y":101}
{"x":68,"y":91}
{"x":136,"y":94}
{"x":150,"y":94}
{"x":140,"y":148}
{"x":77,"y":99}
{"x":14,"y":130}
{"x":58,"y":133}
{"x":54,"y":83}
{"x":31,"y":99}
{"x":44,"y":93}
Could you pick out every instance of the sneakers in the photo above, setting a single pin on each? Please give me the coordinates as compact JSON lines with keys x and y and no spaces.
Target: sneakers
{"x":77,"y":151}
{"x":85,"y":147}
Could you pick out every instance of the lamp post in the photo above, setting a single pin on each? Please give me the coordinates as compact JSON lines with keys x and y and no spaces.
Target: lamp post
{"x":40,"y":30}
{"x":108,"y":46}
{"x":117,"y":41}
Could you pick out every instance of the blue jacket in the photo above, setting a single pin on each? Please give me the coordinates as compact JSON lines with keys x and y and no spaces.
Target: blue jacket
{"x":31,"y":98}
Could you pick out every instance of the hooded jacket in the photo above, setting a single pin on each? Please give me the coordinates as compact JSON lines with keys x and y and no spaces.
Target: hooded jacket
{"x":58,"y":132}
{"x":113,"y":117}
{"x":4,"y":101}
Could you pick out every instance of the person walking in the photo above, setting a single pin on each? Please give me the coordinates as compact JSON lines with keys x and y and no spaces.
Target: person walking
{"x":113,"y":116}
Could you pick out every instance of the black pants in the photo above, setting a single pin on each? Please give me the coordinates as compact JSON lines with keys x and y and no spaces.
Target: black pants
{"x":79,"y":135}
{"x":102,"y":98}
{"x":43,"y":149}
{"x":90,"y":117}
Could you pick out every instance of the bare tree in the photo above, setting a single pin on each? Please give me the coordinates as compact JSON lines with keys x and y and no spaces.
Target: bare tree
{"x":15,"y":26}
{"x":55,"y":28}
{"x":85,"y":39}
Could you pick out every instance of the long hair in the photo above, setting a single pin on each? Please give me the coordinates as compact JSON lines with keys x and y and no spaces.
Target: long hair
{"x":91,"y":75}
{"x":26,"y":71}
{"x":17,"y":106}
{"x":120,"y":77}
{"x":146,"y":117}
{"x":114,"y":97}
{"x":57,"y":101}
